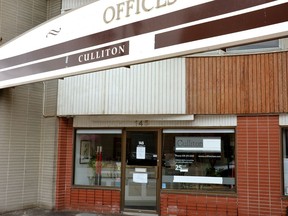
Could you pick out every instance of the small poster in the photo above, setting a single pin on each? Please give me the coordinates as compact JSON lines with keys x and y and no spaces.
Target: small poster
{"x":85,"y":151}
{"x":140,"y":152}
{"x":140,"y":178}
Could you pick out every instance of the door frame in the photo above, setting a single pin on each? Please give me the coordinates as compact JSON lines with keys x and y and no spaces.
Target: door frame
{"x":158,"y":167}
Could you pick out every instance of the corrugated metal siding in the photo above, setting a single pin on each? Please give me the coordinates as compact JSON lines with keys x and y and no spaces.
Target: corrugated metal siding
{"x":28,"y":146}
{"x":50,"y":92}
{"x":17,"y":16}
{"x":53,"y":8}
{"x":48,"y":159}
{"x":48,"y":150}
{"x":20,"y":117}
{"x":151,"y":88}
{"x":247,"y":84}
{"x":72,"y":4}
{"x":27,"y":141}
{"x":129,"y":121}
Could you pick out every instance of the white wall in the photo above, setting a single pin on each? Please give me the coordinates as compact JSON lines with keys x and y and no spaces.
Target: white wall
{"x":150,"y":88}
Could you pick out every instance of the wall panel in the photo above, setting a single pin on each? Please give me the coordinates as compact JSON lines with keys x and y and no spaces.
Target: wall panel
{"x":48,"y":146}
{"x":20,"y":117}
{"x":72,"y":4}
{"x":151,"y":88}
{"x":17,"y":16}
{"x":245,"y":84}
{"x":53,"y":8}
{"x":259,"y":166}
{"x":27,"y":141}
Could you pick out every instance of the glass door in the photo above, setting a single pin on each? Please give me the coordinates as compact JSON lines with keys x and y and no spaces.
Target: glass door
{"x":141,"y":174}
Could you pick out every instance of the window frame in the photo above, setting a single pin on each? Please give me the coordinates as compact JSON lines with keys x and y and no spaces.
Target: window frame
{"x":202,"y":131}
{"x":284,"y":141}
{"x":99,"y":131}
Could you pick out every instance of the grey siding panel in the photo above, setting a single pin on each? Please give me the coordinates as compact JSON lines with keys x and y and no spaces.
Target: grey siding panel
{"x":48,"y":152}
{"x":5,"y":114}
{"x":72,"y":4}
{"x":21,"y":109}
{"x":50,"y":98}
{"x":48,"y":158}
{"x":53,"y":8}
{"x":17,"y":16}
{"x":151,"y":88}
{"x":28,"y":144}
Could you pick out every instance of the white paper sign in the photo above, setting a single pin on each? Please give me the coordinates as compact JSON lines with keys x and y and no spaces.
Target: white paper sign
{"x":140,"y":152}
{"x":140,"y":178}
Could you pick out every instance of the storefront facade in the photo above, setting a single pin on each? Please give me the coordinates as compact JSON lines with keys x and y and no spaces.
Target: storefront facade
{"x":195,"y":135}
{"x":224,"y":155}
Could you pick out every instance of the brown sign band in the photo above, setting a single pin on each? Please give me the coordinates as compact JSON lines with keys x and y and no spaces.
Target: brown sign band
{"x":108,"y":52}
{"x":210,"y":9}
{"x":252,"y":20}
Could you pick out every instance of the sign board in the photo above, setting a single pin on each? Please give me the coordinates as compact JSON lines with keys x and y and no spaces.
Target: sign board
{"x":115,"y":33}
{"x":198,"y":144}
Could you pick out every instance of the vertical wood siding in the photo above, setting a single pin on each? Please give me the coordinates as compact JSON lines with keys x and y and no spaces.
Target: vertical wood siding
{"x":245,"y":84}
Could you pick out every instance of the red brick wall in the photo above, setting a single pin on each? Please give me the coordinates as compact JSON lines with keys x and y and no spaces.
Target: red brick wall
{"x":259,"y":179}
{"x":82,"y":199}
{"x":259,"y":163}
{"x":189,"y":205}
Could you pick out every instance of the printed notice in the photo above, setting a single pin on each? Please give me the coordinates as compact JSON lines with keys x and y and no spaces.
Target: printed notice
{"x":140,"y":152}
{"x":140,"y":178}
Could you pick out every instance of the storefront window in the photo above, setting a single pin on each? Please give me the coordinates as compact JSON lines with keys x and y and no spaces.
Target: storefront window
{"x":97,"y":158}
{"x":199,"y":160}
{"x":285,"y":160}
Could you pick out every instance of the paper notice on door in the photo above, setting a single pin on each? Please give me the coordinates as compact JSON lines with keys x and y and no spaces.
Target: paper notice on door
{"x":140,"y":152}
{"x":140,"y":178}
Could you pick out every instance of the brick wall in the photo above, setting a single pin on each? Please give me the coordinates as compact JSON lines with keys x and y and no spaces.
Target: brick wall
{"x":71,"y":198}
{"x":189,"y":205}
{"x":259,"y":163}
{"x":259,"y":178}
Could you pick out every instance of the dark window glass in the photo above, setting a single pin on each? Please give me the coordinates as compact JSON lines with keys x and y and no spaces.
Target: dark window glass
{"x":199,"y":161}
{"x":261,"y":45}
{"x":285,"y":160}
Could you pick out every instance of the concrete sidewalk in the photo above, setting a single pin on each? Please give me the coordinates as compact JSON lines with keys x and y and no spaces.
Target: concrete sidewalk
{"x":44,"y":212}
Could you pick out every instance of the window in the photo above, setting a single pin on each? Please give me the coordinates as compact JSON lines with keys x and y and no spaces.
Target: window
{"x":262,"y":46}
{"x":199,"y":160}
{"x":285,"y":160}
{"x":97,"y":160}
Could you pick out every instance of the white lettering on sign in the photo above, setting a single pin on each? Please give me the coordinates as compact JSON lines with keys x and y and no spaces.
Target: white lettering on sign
{"x":150,"y":29}
{"x":101,"y":54}
{"x":130,"y":7}
{"x":198,"y":144}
